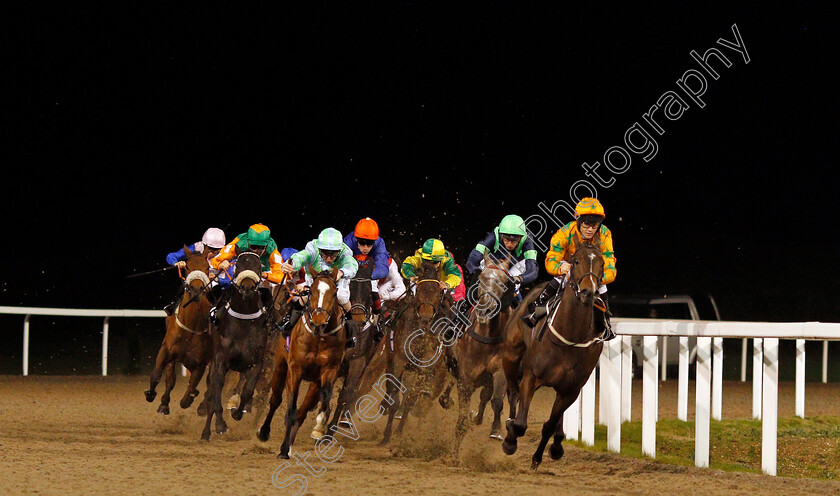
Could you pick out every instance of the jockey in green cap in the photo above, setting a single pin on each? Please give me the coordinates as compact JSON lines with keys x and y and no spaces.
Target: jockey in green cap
{"x":325,"y":253}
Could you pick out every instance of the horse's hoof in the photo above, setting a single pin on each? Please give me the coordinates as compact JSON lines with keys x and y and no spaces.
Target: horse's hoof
{"x":186,"y":402}
{"x":150,"y":395}
{"x":264,"y":434}
{"x":509,"y":447}
{"x":343,"y":424}
{"x":445,"y":402}
{"x":205,"y":436}
{"x":163,"y":409}
{"x":535,"y":464}
{"x":221,"y":429}
{"x":496,"y":435}
{"x":201,"y":410}
{"x":316,"y":434}
{"x":283,"y":456}
{"x":236,"y":414}
{"x":556,"y":451}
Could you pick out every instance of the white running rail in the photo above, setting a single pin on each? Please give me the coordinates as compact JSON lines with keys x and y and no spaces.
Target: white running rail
{"x":615,"y":368}
{"x":28,"y":312}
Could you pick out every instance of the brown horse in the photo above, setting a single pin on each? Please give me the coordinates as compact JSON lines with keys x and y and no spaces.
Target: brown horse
{"x":418,"y":347}
{"x":478,"y":354}
{"x":239,"y":341}
{"x":562,"y":358}
{"x":315,"y":353}
{"x":187,"y":340}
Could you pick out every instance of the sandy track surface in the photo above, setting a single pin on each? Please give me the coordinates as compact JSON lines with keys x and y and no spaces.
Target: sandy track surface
{"x":95,"y":435}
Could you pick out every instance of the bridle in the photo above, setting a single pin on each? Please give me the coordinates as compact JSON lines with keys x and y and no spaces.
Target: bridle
{"x":309,"y":312}
{"x":355,"y":307}
{"x":434,"y":306}
{"x":575,"y":285}
{"x":195,"y":294}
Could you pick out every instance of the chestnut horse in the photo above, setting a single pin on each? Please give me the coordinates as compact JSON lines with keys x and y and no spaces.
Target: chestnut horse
{"x":478,"y":353}
{"x":315,"y":352}
{"x":562,"y":358}
{"x":239,"y":341}
{"x":418,"y":347}
{"x":187,"y":339}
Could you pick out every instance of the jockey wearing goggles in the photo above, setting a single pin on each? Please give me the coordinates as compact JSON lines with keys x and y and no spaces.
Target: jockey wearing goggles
{"x":325,"y":253}
{"x":587,"y":227}
{"x":211,"y":243}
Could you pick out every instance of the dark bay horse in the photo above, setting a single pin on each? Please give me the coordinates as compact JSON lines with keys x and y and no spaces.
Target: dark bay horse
{"x":239,"y":341}
{"x":357,"y":358}
{"x":418,"y":347}
{"x":478,"y":353}
{"x":560,"y":352}
{"x":187,"y":340}
{"x":315,"y":352}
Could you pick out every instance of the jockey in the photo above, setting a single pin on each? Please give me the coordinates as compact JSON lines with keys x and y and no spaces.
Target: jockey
{"x":433,"y":255}
{"x":509,"y":240}
{"x":367,"y":248}
{"x":211,"y":243}
{"x":256,"y":239}
{"x":588,"y":227}
{"x":325,"y":253}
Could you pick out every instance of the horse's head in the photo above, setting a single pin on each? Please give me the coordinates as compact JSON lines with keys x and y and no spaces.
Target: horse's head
{"x":361,"y":294}
{"x":247,"y":277}
{"x":428,"y":300}
{"x":495,"y":289}
{"x":587,"y":272}
{"x":322,"y":301}
{"x":198,"y":272}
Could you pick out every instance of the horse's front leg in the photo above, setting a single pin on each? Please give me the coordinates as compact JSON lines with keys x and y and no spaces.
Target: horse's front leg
{"x":236,"y":396}
{"x":292,"y":391}
{"x":328,"y":377}
{"x":192,"y":388}
{"x":278,"y":384}
{"x":170,"y":384}
{"x":551,"y":427}
{"x":247,"y":392}
{"x":213,"y":395}
{"x":497,"y":404}
{"x":516,"y":427}
{"x":161,"y":362}
{"x":465,"y":392}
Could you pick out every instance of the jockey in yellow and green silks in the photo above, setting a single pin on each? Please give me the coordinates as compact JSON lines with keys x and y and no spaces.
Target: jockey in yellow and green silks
{"x":587,"y":227}
{"x":433,"y":253}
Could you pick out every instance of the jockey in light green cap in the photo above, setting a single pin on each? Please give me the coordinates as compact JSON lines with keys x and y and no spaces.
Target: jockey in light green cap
{"x":324,"y":253}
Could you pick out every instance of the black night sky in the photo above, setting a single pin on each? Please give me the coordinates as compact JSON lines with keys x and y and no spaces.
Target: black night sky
{"x":130,"y":129}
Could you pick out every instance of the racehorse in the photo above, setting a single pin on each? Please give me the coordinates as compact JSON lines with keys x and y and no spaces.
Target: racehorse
{"x":187,"y":339}
{"x":239,"y":340}
{"x":315,"y":352}
{"x":478,"y":354}
{"x":418,"y":346}
{"x":562,"y":358}
{"x":356,"y":359}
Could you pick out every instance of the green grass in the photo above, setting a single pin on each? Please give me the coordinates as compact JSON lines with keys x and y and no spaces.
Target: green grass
{"x":806,"y":448}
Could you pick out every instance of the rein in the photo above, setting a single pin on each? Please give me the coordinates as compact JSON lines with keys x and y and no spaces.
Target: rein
{"x":575,"y":285}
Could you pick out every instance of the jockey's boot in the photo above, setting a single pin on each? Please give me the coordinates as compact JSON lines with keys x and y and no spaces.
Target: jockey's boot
{"x":170,"y":308}
{"x":538,"y":308}
{"x":604,"y":325}
{"x":287,"y":323}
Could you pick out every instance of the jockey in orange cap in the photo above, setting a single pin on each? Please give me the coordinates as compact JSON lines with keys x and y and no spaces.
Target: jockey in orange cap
{"x":587,"y":227}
